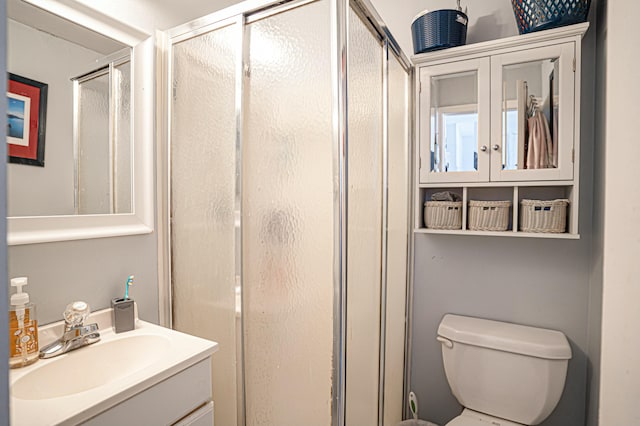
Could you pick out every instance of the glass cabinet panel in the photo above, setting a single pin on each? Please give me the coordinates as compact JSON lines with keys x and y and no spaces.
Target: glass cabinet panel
{"x":454,"y":130}
{"x":530,"y":107}
{"x":533,"y":113}
{"x":454,"y":122}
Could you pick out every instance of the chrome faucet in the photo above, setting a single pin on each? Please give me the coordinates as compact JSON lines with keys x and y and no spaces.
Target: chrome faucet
{"x":76,"y":334}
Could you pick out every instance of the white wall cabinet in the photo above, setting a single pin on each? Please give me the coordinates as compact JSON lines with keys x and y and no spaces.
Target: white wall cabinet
{"x":500,"y":120}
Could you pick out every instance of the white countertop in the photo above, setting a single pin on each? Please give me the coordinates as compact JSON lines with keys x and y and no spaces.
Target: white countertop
{"x":183,"y":351}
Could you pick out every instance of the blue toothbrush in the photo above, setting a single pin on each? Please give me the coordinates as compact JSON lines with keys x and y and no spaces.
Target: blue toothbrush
{"x":129,"y":284}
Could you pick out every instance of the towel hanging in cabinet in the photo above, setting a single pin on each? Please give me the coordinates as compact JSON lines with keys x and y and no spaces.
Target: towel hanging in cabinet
{"x":540,"y":147}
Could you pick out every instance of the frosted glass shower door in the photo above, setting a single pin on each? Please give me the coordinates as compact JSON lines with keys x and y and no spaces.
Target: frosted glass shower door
{"x":364,"y":230}
{"x":397,"y":238}
{"x":94,"y":145}
{"x":288,"y":227}
{"x":122,"y":169}
{"x":103,"y":140}
{"x":203,"y":191}
{"x":259,"y":258}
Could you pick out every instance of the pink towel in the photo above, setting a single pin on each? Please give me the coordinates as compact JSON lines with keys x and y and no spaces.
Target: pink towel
{"x":540,"y":154}
{"x":554,"y":161}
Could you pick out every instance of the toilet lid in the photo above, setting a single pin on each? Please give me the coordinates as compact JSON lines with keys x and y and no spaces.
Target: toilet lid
{"x":473,"y":418}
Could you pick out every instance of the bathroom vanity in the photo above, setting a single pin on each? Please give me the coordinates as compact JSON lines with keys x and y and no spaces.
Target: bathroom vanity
{"x":474,"y":109}
{"x":149,"y":376}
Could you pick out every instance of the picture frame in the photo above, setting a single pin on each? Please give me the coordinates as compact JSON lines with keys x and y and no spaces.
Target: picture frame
{"x":26,"y":120}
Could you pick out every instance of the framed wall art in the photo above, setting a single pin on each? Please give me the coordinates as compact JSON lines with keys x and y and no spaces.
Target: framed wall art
{"x":26,"y":120}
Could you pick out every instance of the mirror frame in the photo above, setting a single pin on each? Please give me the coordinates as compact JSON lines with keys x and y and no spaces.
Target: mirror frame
{"x":42,"y":229}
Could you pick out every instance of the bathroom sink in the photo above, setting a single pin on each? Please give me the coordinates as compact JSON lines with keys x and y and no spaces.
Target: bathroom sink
{"x":90,"y":367}
{"x":77,"y":386}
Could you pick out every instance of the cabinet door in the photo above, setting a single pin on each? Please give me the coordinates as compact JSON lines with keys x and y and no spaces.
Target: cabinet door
{"x":532,"y":114}
{"x":453,"y":122}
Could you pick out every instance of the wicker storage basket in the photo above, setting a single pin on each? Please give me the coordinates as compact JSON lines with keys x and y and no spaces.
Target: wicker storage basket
{"x":543,"y":216}
{"x":443,"y":214}
{"x":489,"y":215}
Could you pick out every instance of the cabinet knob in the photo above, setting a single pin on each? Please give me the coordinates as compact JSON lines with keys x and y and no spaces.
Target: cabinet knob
{"x":483,"y":148}
{"x":496,"y":147}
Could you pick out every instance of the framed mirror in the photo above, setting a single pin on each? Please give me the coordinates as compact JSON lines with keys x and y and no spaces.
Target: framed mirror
{"x":92,"y":130}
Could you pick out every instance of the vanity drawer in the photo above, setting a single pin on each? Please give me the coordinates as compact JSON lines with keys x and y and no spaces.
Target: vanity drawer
{"x":165,"y":403}
{"x":203,"y":416}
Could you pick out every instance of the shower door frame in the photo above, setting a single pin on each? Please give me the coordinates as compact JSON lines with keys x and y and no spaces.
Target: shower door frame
{"x":239,"y":15}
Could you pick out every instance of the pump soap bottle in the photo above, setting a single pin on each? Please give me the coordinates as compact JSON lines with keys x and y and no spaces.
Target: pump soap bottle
{"x":23,"y":327}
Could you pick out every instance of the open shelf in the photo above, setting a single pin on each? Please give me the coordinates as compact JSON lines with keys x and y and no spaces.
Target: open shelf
{"x":564,"y":236}
{"x":494,"y":192}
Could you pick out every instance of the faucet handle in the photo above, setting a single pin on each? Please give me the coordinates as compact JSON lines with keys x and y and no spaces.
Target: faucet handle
{"x":76,"y":313}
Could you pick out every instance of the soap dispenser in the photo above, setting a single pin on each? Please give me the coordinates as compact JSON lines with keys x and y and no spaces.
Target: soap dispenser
{"x":23,"y":327}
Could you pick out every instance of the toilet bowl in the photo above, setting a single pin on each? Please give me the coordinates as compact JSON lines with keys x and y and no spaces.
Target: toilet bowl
{"x":473,"y":418}
{"x":502,"y":374}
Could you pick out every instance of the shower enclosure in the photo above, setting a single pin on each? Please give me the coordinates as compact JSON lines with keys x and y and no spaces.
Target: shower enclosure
{"x":285,"y":209}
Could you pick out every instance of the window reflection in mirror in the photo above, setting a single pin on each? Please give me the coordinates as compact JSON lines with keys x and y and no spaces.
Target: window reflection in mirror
{"x":530,"y":95}
{"x":51,"y":50}
{"x":454,"y":122}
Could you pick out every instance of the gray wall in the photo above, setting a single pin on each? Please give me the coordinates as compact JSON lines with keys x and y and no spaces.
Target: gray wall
{"x":4,"y":326}
{"x":94,"y":271}
{"x":595,"y":306}
{"x":529,"y":281}
{"x":49,"y":190}
{"x":91,"y":270}
{"x":543,"y":283}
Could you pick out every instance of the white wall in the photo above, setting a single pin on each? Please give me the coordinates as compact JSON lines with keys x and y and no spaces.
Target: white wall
{"x":38,"y":191}
{"x":150,"y":15}
{"x":488,"y":19}
{"x":620,"y":375}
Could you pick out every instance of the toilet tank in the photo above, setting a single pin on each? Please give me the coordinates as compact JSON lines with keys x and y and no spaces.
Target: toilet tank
{"x":510,"y":371}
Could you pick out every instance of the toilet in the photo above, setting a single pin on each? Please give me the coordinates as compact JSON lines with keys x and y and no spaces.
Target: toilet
{"x":502,"y":374}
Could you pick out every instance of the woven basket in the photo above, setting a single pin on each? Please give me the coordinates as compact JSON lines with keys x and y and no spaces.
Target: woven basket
{"x":543,"y":216}
{"x":489,"y":215}
{"x":438,"y":29}
{"x":538,"y":15}
{"x":443,"y":214}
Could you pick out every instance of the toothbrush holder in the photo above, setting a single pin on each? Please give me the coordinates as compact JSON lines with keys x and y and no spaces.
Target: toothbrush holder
{"x":123,"y":315}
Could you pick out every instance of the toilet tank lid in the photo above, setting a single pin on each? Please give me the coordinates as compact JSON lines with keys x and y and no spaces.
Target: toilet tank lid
{"x":519,"y":339}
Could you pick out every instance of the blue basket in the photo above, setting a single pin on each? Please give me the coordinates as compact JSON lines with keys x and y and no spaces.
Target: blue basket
{"x":439,"y":29}
{"x":538,"y":15}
